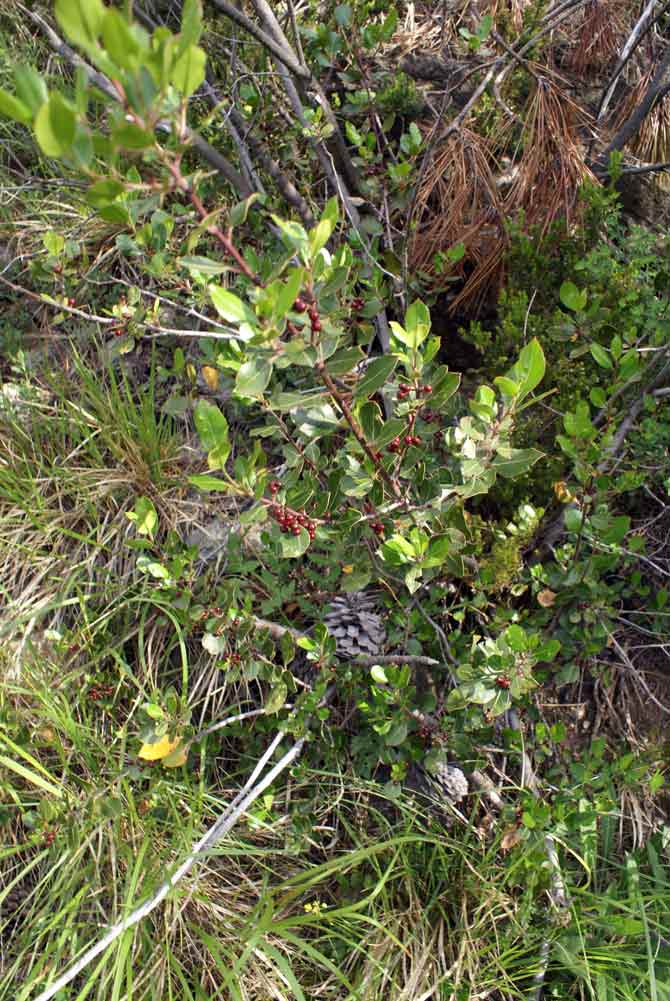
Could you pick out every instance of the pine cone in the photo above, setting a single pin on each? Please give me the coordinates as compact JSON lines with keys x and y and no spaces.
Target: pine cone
{"x":446,"y":783}
{"x":357,"y":628}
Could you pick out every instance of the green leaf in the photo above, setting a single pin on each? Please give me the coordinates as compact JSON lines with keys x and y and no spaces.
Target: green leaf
{"x":571,"y":297}
{"x":239,"y":212}
{"x":81,"y":20}
{"x":230,"y":307}
{"x":529,"y":369}
{"x":11,"y":107}
{"x":517,"y":462}
{"x":191,"y":24}
{"x":417,"y":323}
{"x":203,"y":265}
{"x":294,"y":234}
{"x":212,"y":428}
{"x":128,"y":135}
{"x":289,"y":292}
{"x":344,"y":360}
{"x":508,"y":389}
{"x":376,"y":375}
{"x":276,"y":699}
{"x":189,"y":70}
{"x":600,"y":355}
{"x":293,"y":546}
{"x":120,"y":42}
{"x":208,"y":483}
{"x":398,"y":551}
{"x":445,"y":384}
{"x":30,"y":87}
{"x":573,"y":519}
{"x":55,"y":126}
{"x":253,"y":377}
{"x":397,"y":734}
{"x":144,"y":517}
{"x":319,"y":236}
{"x":53,"y":242}
{"x":104,"y":192}
{"x":391,"y":429}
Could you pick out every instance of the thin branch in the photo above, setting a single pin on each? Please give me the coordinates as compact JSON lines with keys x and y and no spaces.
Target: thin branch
{"x":284,"y":55}
{"x":641,"y":28}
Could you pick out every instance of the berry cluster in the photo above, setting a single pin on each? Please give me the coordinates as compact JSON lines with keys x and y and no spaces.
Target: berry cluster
{"x":405,"y":389}
{"x":357,"y":304}
{"x":97,"y":692}
{"x":397,"y":444}
{"x":49,"y":837}
{"x":300,"y":306}
{"x":292,"y":521}
{"x":503,"y":681}
{"x":377,"y":528}
{"x":429,"y":416}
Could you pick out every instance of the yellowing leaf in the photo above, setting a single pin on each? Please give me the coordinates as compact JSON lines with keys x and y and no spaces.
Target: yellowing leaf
{"x":562,"y":492}
{"x":159,"y":749}
{"x":211,"y":377}
{"x":176,"y":758}
{"x":546,"y":598}
{"x":348,"y":568}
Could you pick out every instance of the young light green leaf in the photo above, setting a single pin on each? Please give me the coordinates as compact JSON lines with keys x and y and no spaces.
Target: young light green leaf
{"x":529,"y":369}
{"x":253,"y":377}
{"x":212,"y":428}
{"x":378,"y":674}
{"x":417,"y":323}
{"x":230,"y":307}
{"x":191,"y":24}
{"x":11,"y":107}
{"x":120,"y":42}
{"x":189,"y":70}
{"x":30,"y":87}
{"x":208,"y":483}
{"x":144,"y":517}
{"x":276,"y":699}
{"x":293,"y":546}
{"x":81,"y":20}
{"x":55,"y":126}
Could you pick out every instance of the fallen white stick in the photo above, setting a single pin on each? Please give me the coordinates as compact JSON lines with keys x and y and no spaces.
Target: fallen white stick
{"x":235,"y":809}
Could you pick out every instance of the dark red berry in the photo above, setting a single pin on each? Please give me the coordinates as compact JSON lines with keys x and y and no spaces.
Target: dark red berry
{"x":296,"y":529}
{"x":503,"y":681}
{"x":275,"y":486}
{"x":300,"y":305}
{"x":313,"y":313}
{"x":409,"y":439}
{"x":316,"y":325}
{"x":427,"y":390}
